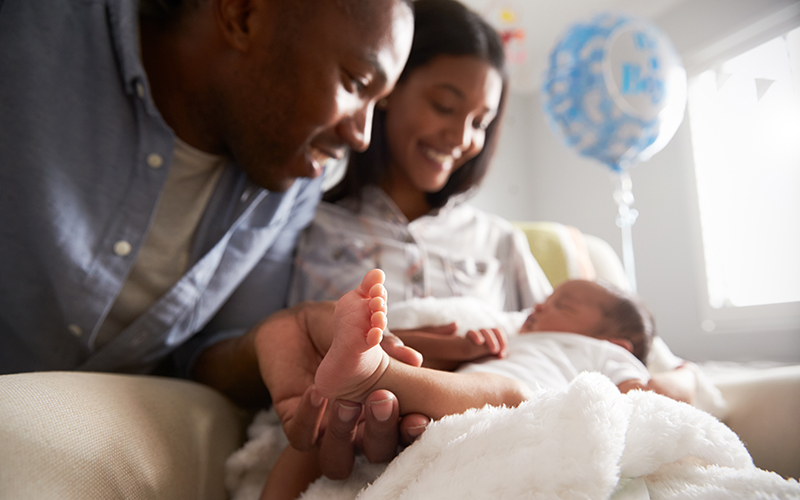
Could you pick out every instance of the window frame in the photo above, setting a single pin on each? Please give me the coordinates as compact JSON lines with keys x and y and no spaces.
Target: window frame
{"x":764,"y":318}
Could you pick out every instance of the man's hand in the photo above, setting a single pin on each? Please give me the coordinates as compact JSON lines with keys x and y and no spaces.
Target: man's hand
{"x":283,"y":353}
{"x":289,"y":347}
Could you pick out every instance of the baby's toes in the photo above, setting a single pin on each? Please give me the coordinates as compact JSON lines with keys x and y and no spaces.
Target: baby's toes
{"x":377,"y":304}
{"x":377,"y":290}
{"x":378,"y":320}
{"x":370,"y":280}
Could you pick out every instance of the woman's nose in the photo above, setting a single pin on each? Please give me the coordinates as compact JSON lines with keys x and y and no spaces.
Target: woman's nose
{"x":460,"y":134}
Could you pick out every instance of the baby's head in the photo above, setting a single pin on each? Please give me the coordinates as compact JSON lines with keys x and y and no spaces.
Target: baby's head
{"x":601,"y":311}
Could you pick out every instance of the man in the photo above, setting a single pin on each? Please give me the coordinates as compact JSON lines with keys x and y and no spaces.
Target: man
{"x":150,"y":157}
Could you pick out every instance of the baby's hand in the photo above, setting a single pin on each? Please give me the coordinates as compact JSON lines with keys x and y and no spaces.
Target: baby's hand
{"x":494,"y":340}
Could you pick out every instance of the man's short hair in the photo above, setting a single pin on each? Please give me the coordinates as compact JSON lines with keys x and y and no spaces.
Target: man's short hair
{"x":166,"y":10}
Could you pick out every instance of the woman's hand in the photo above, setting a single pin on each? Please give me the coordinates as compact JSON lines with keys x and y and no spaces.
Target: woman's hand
{"x":630,"y":385}
{"x":494,"y":340}
{"x":442,"y":349}
{"x":679,"y":384}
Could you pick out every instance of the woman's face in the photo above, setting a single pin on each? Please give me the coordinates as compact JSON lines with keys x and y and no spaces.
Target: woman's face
{"x":436,"y":119}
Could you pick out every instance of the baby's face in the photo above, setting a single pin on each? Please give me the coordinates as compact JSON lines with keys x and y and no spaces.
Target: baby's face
{"x":575,"y":306}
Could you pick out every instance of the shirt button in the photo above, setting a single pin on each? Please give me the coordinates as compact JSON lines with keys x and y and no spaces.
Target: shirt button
{"x":416,"y":278}
{"x":75,"y":329}
{"x":140,"y":89}
{"x":155,"y":160}
{"x":122,"y":248}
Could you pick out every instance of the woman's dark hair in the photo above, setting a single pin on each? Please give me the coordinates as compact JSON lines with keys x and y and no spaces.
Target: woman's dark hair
{"x":441,"y":27}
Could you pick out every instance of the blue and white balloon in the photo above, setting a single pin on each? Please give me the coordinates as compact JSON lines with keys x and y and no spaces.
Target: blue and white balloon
{"x":615,"y":89}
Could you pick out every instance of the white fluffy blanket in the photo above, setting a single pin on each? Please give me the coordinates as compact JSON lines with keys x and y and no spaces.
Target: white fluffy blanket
{"x":590,"y":442}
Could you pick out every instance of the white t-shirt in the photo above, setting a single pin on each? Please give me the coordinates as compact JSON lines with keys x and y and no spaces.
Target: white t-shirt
{"x":164,"y":256}
{"x":552,"y":359}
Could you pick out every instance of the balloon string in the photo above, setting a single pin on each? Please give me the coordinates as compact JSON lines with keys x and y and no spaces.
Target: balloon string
{"x":626,"y":218}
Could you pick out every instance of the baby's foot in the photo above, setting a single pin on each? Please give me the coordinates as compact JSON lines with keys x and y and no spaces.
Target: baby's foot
{"x":355,"y":360}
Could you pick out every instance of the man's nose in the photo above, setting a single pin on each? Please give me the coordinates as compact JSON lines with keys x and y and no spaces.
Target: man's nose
{"x":356,"y":129}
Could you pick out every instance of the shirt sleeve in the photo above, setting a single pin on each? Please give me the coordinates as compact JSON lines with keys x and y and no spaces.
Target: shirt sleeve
{"x":620,"y":365}
{"x":263,"y":292}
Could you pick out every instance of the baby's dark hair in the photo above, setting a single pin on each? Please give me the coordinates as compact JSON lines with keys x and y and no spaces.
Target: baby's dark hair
{"x":630,"y":319}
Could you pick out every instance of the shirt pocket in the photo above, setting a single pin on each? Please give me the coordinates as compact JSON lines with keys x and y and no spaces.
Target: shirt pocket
{"x":345,"y":251}
{"x":475,"y":277}
{"x":327,"y":271}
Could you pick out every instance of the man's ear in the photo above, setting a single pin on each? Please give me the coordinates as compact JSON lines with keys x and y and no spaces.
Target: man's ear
{"x":240,"y":20}
{"x":622,"y":342}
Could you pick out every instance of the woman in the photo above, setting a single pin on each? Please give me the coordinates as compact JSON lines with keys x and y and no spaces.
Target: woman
{"x":399,"y":206}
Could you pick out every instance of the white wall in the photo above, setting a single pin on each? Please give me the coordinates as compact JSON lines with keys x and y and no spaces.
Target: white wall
{"x":536,"y":177}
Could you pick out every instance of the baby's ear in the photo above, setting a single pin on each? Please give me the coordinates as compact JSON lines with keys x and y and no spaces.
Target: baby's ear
{"x":622,"y":342}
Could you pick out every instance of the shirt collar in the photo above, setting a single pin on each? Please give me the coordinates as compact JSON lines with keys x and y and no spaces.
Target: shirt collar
{"x":376,"y":203}
{"x":123,"y":19}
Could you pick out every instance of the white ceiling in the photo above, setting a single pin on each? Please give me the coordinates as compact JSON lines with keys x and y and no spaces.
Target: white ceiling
{"x":545,"y":21}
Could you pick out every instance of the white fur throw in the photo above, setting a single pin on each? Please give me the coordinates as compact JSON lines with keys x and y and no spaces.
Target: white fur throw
{"x":590,"y":442}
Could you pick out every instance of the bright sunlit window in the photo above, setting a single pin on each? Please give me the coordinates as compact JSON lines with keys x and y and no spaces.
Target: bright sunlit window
{"x":745,"y":122}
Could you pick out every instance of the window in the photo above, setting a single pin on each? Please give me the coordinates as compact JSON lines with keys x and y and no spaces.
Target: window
{"x":745,"y":122}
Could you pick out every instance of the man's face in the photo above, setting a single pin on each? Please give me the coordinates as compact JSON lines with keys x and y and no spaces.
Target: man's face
{"x":307,"y":88}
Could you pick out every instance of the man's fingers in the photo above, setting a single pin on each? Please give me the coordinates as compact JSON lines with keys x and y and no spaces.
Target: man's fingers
{"x":380,"y":429}
{"x":337,"y":452}
{"x":412,"y":426}
{"x":302,"y":429}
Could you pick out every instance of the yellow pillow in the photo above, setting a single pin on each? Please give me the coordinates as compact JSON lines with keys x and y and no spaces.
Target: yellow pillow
{"x":560,"y":250}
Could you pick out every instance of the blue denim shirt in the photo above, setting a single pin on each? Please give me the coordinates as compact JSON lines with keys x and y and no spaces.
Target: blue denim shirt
{"x":84,"y":154}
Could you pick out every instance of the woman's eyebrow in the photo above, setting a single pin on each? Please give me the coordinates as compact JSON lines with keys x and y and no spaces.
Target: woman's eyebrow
{"x":452,"y":88}
{"x":455,"y":90}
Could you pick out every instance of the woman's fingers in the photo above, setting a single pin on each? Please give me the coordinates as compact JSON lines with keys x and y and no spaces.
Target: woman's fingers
{"x":494,"y":340}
